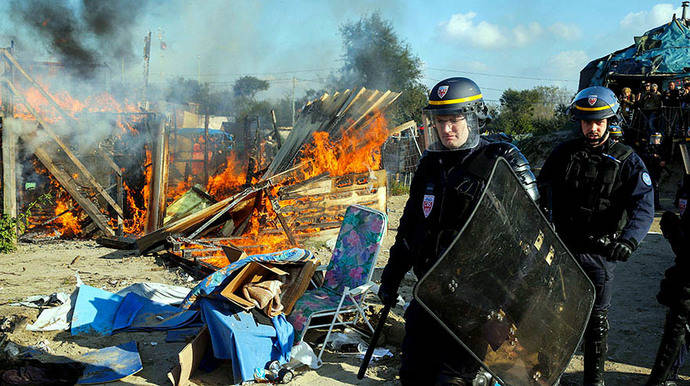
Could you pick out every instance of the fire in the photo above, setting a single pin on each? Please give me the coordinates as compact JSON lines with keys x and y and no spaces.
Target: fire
{"x":353,"y":153}
{"x":68,"y":222}
{"x":137,"y":223}
{"x":226,"y":183}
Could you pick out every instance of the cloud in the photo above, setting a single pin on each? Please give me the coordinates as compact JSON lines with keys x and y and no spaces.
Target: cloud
{"x":658,"y":15}
{"x":565,"y":31}
{"x":463,"y":28}
{"x":567,"y":64}
{"x":524,"y":34}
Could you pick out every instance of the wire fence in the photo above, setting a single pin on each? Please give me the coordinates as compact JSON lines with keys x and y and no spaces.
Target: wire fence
{"x":400,"y":155}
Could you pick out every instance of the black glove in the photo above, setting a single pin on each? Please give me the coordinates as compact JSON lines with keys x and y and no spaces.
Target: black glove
{"x":620,"y":250}
{"x":388,"y":294}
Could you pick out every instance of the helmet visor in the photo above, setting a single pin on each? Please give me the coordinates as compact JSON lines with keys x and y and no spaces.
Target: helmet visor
{"x":450,"y":132}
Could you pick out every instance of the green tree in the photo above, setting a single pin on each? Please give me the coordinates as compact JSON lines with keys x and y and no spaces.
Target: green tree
{"x":535,"y":110}
{"x":248,"y":86}
{"x":376,"y":58}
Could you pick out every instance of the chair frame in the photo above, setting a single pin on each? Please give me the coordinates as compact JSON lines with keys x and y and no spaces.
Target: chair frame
{"x":351,"y":294}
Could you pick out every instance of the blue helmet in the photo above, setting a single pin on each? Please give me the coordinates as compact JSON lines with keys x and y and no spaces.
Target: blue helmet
{"x":616,"y":132}
{"x":595,"y":103}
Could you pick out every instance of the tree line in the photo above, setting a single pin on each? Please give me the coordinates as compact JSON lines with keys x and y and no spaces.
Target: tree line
{"x":374,"y":57}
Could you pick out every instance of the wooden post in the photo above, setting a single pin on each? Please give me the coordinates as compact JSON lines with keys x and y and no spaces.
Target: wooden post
{"x":159,"y":163}
{"x":281,"y":218}
{"x":258,"y":144}
{"x":276,"y":132}
{"x":9,"y":164}
{"x":206,"y":146}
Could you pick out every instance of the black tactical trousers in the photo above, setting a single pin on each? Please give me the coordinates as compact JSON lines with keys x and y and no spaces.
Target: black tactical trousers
{"x":600,"y":272}
{"x":428,"y":351}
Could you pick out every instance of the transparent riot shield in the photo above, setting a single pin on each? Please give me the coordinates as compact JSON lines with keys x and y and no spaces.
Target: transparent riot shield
{"x":508,"y":289}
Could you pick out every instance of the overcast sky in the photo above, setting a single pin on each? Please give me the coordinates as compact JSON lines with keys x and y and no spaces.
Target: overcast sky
{"x":499,"y":44}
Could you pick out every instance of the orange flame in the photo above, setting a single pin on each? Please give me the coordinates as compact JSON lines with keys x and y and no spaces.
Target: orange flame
{"x":226,"y":183}
{"x":354,"y":153}
{"x":68,"y":222}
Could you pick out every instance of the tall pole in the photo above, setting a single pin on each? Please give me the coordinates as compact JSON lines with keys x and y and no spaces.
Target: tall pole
{"x":206,"y":144}
{"x":147,"y":59}
{"x":198,"y":69}
{"x":292,"y":103}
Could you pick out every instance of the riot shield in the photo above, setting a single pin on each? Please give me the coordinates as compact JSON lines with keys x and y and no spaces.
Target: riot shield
{"x":508,"y":289}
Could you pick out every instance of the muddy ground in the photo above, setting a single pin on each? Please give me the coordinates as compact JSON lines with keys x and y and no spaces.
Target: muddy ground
{"x":39,"y":269}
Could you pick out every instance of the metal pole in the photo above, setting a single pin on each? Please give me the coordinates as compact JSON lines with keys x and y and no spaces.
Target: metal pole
{"x":292,"y":102}
{"x":206,"y":145}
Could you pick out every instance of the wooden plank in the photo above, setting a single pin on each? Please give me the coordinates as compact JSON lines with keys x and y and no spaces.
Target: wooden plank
{"x":9,"y":167}
{"x":159,"y":156}
{"x":66,"y":181}
{"x":153,"y":239}
{"x":281,"y":219}
{"x":84,"y":172}
{"x":400,"y":128}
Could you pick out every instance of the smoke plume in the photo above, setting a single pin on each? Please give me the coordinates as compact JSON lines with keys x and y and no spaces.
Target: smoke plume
{"x":84,"y":36}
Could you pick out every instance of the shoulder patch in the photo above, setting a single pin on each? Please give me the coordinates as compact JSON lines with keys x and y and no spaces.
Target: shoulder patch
{"x":646,"y":179}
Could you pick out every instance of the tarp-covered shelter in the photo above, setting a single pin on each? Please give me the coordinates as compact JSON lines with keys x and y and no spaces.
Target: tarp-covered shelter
{"x":659,"y":54}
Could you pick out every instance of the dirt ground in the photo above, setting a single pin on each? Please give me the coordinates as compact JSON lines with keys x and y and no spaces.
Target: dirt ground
{"x":40,"y":269}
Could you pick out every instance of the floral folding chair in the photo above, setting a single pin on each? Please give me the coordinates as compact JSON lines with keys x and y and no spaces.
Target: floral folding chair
{"x":348,"y":275}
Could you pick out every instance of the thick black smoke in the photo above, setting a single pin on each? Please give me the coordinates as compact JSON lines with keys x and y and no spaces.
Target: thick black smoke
{"x":95,"y":33}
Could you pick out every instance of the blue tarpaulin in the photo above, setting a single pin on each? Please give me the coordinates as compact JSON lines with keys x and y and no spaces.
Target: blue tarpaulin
{"x":101,"y":312}
{"x":110,"y":364}
{"x":236,"y":336}
{"x":94,"y":311}
{"x":664,"y":50}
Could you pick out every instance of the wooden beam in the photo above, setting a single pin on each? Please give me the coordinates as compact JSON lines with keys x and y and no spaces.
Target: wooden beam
{"x":281,"y":219}
{"x":9,"y":168}
{"x":279,"y":140}
{"x":68,"y":183}
{"x":400,"y":128}
{"x":159,"y":159}
{"x":82,"y":169}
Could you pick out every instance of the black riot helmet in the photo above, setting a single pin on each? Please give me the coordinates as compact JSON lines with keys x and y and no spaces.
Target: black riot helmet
{"x":462,"y":100}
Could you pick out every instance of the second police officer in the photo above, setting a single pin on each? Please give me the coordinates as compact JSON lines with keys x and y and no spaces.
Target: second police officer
{"x":600,"y":198}
{"x":445,"y":188}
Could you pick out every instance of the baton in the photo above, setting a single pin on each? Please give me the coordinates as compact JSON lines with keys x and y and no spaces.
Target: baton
{"x":374,"y":339}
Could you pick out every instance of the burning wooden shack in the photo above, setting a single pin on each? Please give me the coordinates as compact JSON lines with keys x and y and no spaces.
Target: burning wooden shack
{"x":128,"y":181}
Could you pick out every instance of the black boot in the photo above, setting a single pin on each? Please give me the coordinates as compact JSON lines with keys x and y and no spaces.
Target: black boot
{"x":595,"y":348}
{"x":671,"y":343}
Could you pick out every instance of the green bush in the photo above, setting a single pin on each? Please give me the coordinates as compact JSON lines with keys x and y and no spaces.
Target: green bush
{"x":8,"y":233}
{"x":397,"y":188}
{"x":10,"y":227}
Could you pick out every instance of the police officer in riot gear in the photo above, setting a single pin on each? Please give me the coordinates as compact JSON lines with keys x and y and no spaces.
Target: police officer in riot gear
{"x":601,"y":201}
{"x":653,"y":156}
{"x":675,"y":294}
{"x":616,"y":133}
{"x":447,"y":184}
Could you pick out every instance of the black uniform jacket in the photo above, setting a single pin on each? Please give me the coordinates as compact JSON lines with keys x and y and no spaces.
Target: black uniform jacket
{"x":443,"y":193}
{"x":584,"y":209}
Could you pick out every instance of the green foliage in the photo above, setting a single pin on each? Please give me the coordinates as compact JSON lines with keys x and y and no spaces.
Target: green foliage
{"x":248,"y":86}
{"x":181,"y":90}
{"x":8,"y":233}
{"x":397,"y":188}
{"x":376,"y":58}
{"x":11,"y":226}
{"x":537,"y":110}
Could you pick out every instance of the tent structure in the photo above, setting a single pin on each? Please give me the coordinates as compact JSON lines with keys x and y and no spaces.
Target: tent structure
{"x":659,"y":55}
